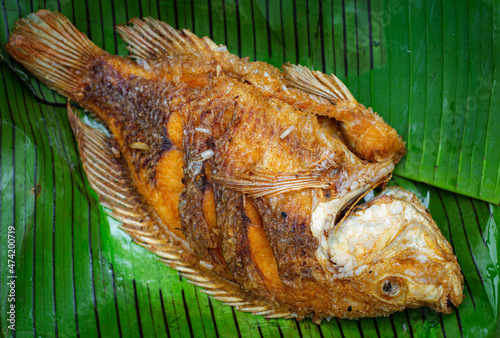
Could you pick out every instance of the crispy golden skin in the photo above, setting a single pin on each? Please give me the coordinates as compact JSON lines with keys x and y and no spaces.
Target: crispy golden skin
{"x":235,"y":158}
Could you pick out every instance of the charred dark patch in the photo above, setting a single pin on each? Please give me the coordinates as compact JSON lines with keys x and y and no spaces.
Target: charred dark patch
{"x":167,"y":144}
{"x":139,"y":108}
{"x":204,"y":240}
{"x":205,"y":184}
{"x":98,"y":67}
{"x":292,"y":243}
{"x":246,"y":219}
{"x":152,"y":178}
{"x":204,"y":114}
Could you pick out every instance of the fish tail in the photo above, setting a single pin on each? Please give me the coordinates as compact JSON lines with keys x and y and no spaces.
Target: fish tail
{"x":51,"y":48}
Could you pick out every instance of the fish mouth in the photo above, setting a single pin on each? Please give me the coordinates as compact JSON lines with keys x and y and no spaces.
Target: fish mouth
{"x":452,"y":290}
{"x":447,"y":302}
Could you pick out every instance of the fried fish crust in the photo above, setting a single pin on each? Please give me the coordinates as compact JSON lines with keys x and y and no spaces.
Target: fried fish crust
{"x":250,"y":169}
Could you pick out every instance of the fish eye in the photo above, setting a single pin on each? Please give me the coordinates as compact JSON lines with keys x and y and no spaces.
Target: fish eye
{"x":390,"y":288}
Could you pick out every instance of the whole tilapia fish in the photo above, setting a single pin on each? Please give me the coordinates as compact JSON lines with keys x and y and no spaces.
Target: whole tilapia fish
{"x":245,"y":178}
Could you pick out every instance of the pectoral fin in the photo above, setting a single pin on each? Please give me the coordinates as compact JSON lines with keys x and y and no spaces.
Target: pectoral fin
{"x":259,"y":183}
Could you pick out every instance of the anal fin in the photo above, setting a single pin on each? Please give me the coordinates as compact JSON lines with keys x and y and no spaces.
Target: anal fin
{"x":109,"y":178}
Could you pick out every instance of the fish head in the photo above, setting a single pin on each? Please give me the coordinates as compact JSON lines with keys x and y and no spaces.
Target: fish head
{"x":391,"y":252}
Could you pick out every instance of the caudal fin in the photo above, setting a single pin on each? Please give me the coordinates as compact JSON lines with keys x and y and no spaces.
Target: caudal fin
{"x":51,"y":48}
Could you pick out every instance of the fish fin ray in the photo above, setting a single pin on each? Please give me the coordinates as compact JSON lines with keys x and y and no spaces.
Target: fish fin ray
{"x":105,"y":174}
{"x":150,"y":39}
{"x":315,"y":82}
{"x":263,"y":184}
{"x":51,"y":48}
{"x":109,"y":177}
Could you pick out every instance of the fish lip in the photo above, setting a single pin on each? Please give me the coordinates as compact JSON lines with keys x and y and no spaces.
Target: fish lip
{"x":447,"y":303}
{"x":451,"y":283}
{"x":453,"y":290}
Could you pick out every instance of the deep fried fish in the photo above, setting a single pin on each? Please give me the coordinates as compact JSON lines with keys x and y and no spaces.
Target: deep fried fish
{"x":244,"y":178}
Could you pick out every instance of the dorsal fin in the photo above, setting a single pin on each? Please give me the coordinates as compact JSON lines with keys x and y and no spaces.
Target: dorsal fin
{"x":150,"y":39}
{"x":260,"y":183}
{"x":315,"y":82}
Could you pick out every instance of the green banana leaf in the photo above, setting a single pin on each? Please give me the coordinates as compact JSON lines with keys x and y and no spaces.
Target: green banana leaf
{"x":427,"y":67}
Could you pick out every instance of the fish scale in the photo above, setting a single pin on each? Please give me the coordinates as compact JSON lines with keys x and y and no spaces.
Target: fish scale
{"x":246,"y":179}
{"x":130,"y":103}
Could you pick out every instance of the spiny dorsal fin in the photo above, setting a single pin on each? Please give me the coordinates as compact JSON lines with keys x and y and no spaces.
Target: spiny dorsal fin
{"x":260,"y":183}
{"x":150,"y":39}
{"x":315,"y":82}
{"x":109,"y":177}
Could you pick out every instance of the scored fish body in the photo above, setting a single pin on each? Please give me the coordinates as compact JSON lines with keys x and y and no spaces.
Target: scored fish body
{"x":250,"y":173}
